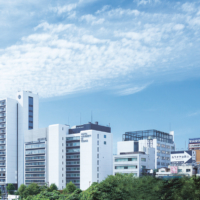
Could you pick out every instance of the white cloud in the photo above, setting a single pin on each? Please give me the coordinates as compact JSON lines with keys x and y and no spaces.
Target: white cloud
{"x":188,"y":7}
{"x":114,"y":46}
{"x":131,"y":90}
{"x":63,"y":9}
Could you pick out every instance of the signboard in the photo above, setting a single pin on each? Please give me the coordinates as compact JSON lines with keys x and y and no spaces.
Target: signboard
{"x":83,"y":136}
{"x":174,"y":169}
{"x":180,"y":157}
{"x":194,"y":140}
{"x":197,"y":145}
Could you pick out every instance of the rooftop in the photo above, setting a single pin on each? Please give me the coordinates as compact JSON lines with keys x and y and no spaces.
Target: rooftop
{"x":147,"y":135}
{"x":89,"y":126}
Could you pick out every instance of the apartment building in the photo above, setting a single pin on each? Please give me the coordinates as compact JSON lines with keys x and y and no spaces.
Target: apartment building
{"x":59,"y":154}
{"x":16,"y":116}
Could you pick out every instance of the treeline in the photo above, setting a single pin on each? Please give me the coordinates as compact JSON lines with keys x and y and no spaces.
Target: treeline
{"x":119,"y":187}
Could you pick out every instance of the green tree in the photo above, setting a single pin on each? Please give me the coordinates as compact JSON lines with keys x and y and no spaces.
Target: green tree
{"x":0,"y":192}
{"x":32,"y":189}
{"x":10,"y":188}
{"x":21,"y":190}
{"x":70,"y":188}
{"x":52,"y":187}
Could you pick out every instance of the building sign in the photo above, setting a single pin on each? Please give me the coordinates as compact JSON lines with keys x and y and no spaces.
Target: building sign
{"x":194,"y":145}
{"x":84,"y":136}
{"x":194,"y":140}
{"x":174,"y":169}
{"x":180,"y":157}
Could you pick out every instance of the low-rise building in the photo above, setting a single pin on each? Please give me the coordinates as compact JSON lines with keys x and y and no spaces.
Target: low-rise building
{"x":129,"y":161}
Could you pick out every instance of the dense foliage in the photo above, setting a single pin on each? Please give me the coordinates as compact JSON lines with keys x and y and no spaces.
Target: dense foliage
{"x":120,"y":187}
{"x":10,"y":188}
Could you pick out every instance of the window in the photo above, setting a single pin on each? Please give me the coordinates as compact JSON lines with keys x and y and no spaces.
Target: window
{"x":125,"y":159}
{"x":97,"y":136}
{"x":104,"y":142}
{"x":73,"y":175}
{"x":73,"y":150}
{"x":97,"y":162}
{"x":30,"y":113}
{"x":98,"y":175}
{"x":163,"y":152}
{"x":97,"y":149}
{"x":73,"y":156}
{"x":143,"y":167}
{"x":73,"y":168}
{"x":28,"y":152}
{"x":73,"y":163}
{"x":143,"y":159}
{"x":179,"y":170}
{"x":73,"y":144}
{"x":98,"y":142}
{"x":97,"y":168}
{"x":163,"y":158}
{"x":158,"y":163}
{"x":97,"y":181}
{"x":126,"y":167}
{"x":73,"y":138}
{"x":34,"y":146}
{"x":62,"y":175}
{"x":97,"y":155}
{"x":163,"y":146}
{"x":158,"y":144}
{"x":35,"y":163}
{"x":187,"y":170}
{"x":62,"y":144}
{"x":104,"y":136}
{"x":158,"y":151}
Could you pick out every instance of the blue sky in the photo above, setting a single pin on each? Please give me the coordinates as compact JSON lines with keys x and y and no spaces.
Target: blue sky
{"x":135,"y":64}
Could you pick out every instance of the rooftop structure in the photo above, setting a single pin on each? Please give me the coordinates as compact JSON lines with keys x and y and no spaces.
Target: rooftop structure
{"x":148,"y":135}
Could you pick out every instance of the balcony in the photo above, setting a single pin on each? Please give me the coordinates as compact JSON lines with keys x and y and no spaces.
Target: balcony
{"x":2,"y":109}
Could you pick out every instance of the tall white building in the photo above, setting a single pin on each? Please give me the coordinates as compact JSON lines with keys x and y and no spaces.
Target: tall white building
{"x":58,"y":154}
{"x":16,"y":116}
{"x":161,"y":141}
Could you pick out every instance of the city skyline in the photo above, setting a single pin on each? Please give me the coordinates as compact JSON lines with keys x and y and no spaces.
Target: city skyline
{"x":133,"y":64}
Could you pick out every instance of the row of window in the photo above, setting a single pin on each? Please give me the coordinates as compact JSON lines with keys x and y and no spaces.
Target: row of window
{"x":35,"y":181}
{"x":75,"y":181}
{"x":73,"y":150}
{"x":125,"y":159}
{"x":35,"y":175}
{"x":73,"y":168}
{"x":98,"y":136}
{"x":163,"y":164}
{"x":2,"y":169}
{"x":73,"y":163}
{"x":73,"y":156}
{"x":72,"y":175}
{"x":73,"y":144}
{"x":126,"y":167}
{"x":29,"y":152}
{"x":163,"y":158}
{"x":35,"y":163}
{"x":35,"y":158}
{"x":35,"y":169}
{"x":2,"y":174}
{"x":30,"y":113}
{"x":33,"y":146}
{"x":73,"y":138}
{"x":163,"y":152}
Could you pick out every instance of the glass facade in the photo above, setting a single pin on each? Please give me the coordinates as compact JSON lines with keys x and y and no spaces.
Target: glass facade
{"x":35,"y":164}
{"x":73,"y":160}
{"x":126,"y":167}
{"x":30,"y":113}
{"x":125,"y":159}
{"x":3,"y":144}
{"x":149,"y":135}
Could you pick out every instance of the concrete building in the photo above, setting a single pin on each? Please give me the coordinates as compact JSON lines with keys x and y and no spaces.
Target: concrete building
{"x":130,"y":160}
{"x":161,"y":141}
{"x":59,"y":154}
{"x":194,"y":144}
{"x":16,"y":116}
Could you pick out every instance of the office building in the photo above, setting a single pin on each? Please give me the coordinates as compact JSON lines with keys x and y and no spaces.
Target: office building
{"x":194,"y":144}
{"x":161,"y":141}
{"x":16,"y":116}
{"x":130,"y":160}
{"x":59,"y":154}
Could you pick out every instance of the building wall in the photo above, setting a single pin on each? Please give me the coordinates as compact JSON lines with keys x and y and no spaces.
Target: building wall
{"x":125,"y":146}
{"x":95,"y":157}
{"x":11,"y":141}
{"x":57,"y":155}
{"x":23,"y":113}
{"x":126,"y":165}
